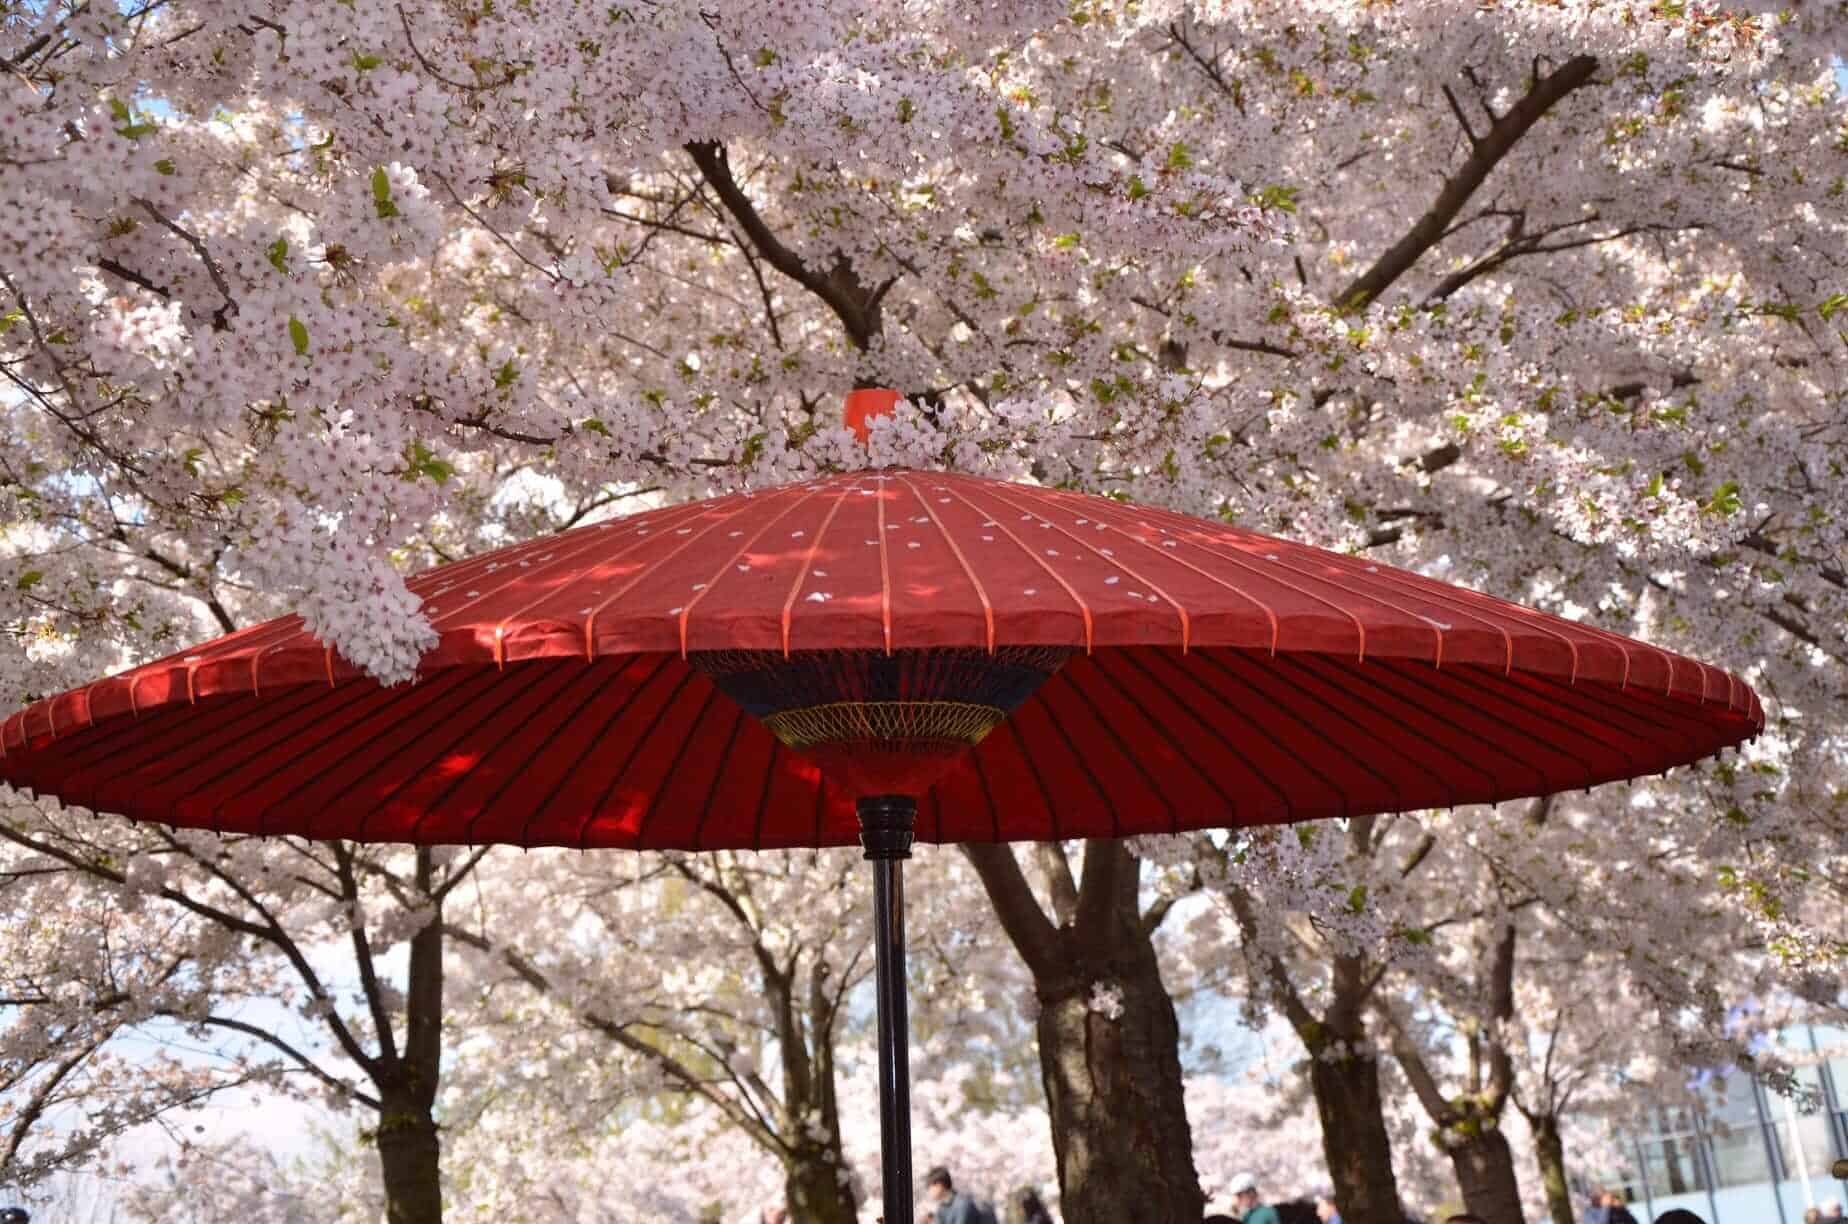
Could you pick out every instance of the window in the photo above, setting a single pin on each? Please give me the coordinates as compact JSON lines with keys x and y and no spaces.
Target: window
{"x":1739,"y":1157}
{"x":1671,"y":1165}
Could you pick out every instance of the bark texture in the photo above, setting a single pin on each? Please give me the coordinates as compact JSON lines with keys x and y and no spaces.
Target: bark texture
{"x":1109,"y":1041}
{"x":1550,"y":1154}
{"x":1354,"y":1139}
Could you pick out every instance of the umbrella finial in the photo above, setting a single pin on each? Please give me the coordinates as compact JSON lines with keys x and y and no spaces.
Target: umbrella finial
{"x":865,"y":403}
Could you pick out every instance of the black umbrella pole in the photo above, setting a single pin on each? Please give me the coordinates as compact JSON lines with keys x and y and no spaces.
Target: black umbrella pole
{"x":885,"y":834}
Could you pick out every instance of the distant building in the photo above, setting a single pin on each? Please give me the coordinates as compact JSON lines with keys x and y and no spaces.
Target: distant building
{"x":1745,"y":1155}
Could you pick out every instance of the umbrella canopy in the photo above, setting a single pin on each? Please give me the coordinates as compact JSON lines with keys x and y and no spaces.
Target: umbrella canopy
{"x":876,"y":656}
{"x":1156,"y":673}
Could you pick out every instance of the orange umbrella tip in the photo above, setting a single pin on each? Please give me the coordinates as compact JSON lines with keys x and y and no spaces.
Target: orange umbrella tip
{"x":863,"y":405}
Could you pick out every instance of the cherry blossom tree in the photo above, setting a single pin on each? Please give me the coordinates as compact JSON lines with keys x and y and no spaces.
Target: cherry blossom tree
{"x":212,"y":928}
{"x":1536,"y":297}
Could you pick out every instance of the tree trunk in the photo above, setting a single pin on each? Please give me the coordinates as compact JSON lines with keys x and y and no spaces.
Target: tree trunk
{"x":1109,"y":1042}
{"x":408,"y":1149}
{"x":1113,"y":1089}
{"x":814,"y":1189}
{"x":408,"y":1158}
{"x":1485,"y":1171}
{"x":1354,"y":1140}
{"x":1550,"y":1154}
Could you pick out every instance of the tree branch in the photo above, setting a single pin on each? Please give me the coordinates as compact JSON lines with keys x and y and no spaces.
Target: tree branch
{"x":1485,"y":155}
{"x":1026,"y":924}
{"x":853,"y":303}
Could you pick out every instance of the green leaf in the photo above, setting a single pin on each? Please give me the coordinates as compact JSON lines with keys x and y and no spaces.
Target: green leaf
{"x":298,"y":335}
{"x":1179,"y":158}
{"x":278,"y":255}
{"x":29,"y":579}
{"x":596,"y":426}
{"x":135,"y":131}
{"x":1357,"y":898}
{"x":120,"y":110}
{"x":420,"y":460}
{"x":506,"y":374}
{"x":382,"y":202}
{"x":1725,"y":500}
{"x":1137,"y":188}
{"x":1832,"y":305}
{"x":165,"y":166}
{"x":1275,"y":196}
{"x":906,"y":110}
{"x":366,"y":63}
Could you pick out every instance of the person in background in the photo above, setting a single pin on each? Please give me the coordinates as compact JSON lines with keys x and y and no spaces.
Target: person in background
{"x":1812,"y":1215}
{"x":1325,"y":1209}
{"x":1032,"y":1211}
{"x":1679,"y":1215}
{"x":949,"y":1205}
{"x":1831,"y":1211}
{"x":15,"y":1215}
{"x":1614,"y":1209}
{"x":1465,"y":1218}
{"x":1599,"y":1211}
{"x":1244,"y":1191}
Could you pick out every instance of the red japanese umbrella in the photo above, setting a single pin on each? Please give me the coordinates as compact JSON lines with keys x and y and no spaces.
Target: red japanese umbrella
{"x":876,"y":656}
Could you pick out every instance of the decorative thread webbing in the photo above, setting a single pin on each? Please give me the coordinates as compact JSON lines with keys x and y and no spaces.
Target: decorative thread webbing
{"x":925,"y":701}
{"x":955,"y":721}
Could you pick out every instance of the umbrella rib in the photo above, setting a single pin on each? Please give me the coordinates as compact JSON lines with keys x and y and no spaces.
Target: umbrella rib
{"x":474,"y":569}
{"x":92,"y":755}
{"x":1348,"y":674}
{"x":981,"y":592}
{"x":1084,"y":765}
{"x":558,"y":728}
{"x":718,"y":771}
{"x":1251,"y":686}
{"x":278,"y":712}
{"x":543,"y":673}
{"x":130,"y":726}
{"x":1202,"y":541}
{"x":648,"y":567}
{"x":591,"y":543}
{"x":1671,"y":708}
{"x":635,"y":748}
{"x":988,"y":796}
{"x":624,"y":664}
{"x":763,"y":796}
{"x":1211,"y":727}
{"x":355,"y":692}
{"x":808,"y":559}
{"x":885,"y":569}
{"x":1135,"y":761}
{"x":1320,"y":775}
{"x":280,"y":642}
{"x":1342,"y":687}
{"x":706,"y":588}
{"x":498,"y":704}
{"x":1039,"y":781}
{"x":1508,"y":699}
{"x":1084,"y":609}
{"x":469,"y":568}
{"x":1097,"y":514}
{"x":1160,"y":727}
{"x":1111,"y":560}
{"x":1439,"y":594}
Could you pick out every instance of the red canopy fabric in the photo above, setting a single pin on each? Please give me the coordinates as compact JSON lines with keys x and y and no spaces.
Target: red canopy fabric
{"x":1228,"y":678}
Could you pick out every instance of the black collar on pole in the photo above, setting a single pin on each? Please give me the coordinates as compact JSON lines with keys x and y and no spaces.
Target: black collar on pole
{"x":886,"y":823}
